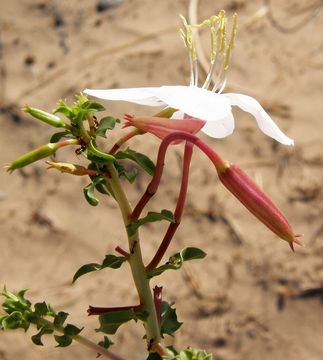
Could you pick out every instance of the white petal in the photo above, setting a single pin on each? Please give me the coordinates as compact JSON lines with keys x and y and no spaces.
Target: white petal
{"x":196,"y":102}
{"x":264,"y":121}
{"x":220,"y":128}
{"x":142,"y":96}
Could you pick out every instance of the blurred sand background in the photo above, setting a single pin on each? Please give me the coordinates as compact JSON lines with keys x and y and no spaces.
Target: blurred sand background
{"x":251,"y":298}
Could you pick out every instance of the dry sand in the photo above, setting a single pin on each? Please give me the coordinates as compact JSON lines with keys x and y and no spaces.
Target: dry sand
{"x":54,"y":49}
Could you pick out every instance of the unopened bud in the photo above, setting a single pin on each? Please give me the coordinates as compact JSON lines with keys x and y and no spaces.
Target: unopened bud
{"x":257,"y":202}
{"x":72,"y":169}
{"x":38,"y":154}
{"x":45,"y":117}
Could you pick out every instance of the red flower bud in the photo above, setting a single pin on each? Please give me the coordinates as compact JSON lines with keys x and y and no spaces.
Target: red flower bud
{"x":257,"y":202}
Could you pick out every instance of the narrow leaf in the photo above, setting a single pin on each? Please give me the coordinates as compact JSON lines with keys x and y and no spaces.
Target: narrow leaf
{"x":110,"y":261}
{"x":86,"y":269}
{"x":58,"y":136}
{"x":142,"y":160}
{"x":150,"y":217}
{"x":91,"y":105}
{"x":113,"y":261}
{"x":176,"y":261}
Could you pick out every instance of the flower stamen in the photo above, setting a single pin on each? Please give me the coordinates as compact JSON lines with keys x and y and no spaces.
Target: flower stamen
{"x":220,"y":49}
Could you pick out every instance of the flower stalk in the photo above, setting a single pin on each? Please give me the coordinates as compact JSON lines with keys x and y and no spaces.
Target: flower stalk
{"x":136,"y":263}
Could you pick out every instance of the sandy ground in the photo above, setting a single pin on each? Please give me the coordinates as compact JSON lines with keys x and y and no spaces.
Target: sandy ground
{"x":232,"y":303}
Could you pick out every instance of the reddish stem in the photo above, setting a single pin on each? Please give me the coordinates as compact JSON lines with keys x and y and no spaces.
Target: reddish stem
{"x":178,"y":211}
{"x":122,"y":252}
{"x":93,"y":310}
{"x":153,"y":185}
{"x":124,"y":139}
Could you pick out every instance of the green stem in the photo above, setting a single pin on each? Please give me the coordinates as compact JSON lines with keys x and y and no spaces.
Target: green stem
{"x":82,"y":340}
{"x":136,"y":264}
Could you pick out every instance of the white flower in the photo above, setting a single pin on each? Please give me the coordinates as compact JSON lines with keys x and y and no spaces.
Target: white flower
{"x":213,"y":108}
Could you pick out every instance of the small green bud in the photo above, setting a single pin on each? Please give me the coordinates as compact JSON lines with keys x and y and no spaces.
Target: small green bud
{"x":46,"y":117}
{"x":32,"y":156}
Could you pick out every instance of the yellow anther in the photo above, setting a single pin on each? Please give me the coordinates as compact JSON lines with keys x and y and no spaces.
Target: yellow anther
{"x":231,"y":42}
{"x":220,"y":48}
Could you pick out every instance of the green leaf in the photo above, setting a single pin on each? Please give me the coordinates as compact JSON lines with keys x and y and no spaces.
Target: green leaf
{"x":41,"y":309}
{"x":15,"y":302}
{"x":63,"y":108}
{"x":97,"y":156}
{"x":169,"y":322}
{"x":36,"y":339}
{"x":110,"y":261}
{"x":60,"y":318}
{"x":176,"y":261}
{"x":142,"y":160}
{"x":113,"y":261}
{"x":150,"y":217}
{"x":93,"y":106}
{"x":63,"y":340}
{"x":89,"y":194}
{"x":86,"y":269}
{"x":154,"y":356}
{"x":129,"y":175}
{"x":98,"y":180}
{"x":105,"y":343}
{"x":14,"y":321}
{"x":106,"y":123}
{"x":110,"y":322}
{"x":58,"y":136}
{"x":194,"y":354}
{"x":72,"y":330}
{"x":172,"y":350}
{"x":99,"y":183}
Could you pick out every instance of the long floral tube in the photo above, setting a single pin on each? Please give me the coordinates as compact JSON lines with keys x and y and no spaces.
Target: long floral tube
{"x":153,"y":185}
{"x":255,"y":200}
{"x":178,"y":210}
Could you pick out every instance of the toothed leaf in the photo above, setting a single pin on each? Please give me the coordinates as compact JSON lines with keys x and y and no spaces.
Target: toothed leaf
{"x":169,"y":322}
{"x":63,"y":340}
{"x":110,"y":322}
